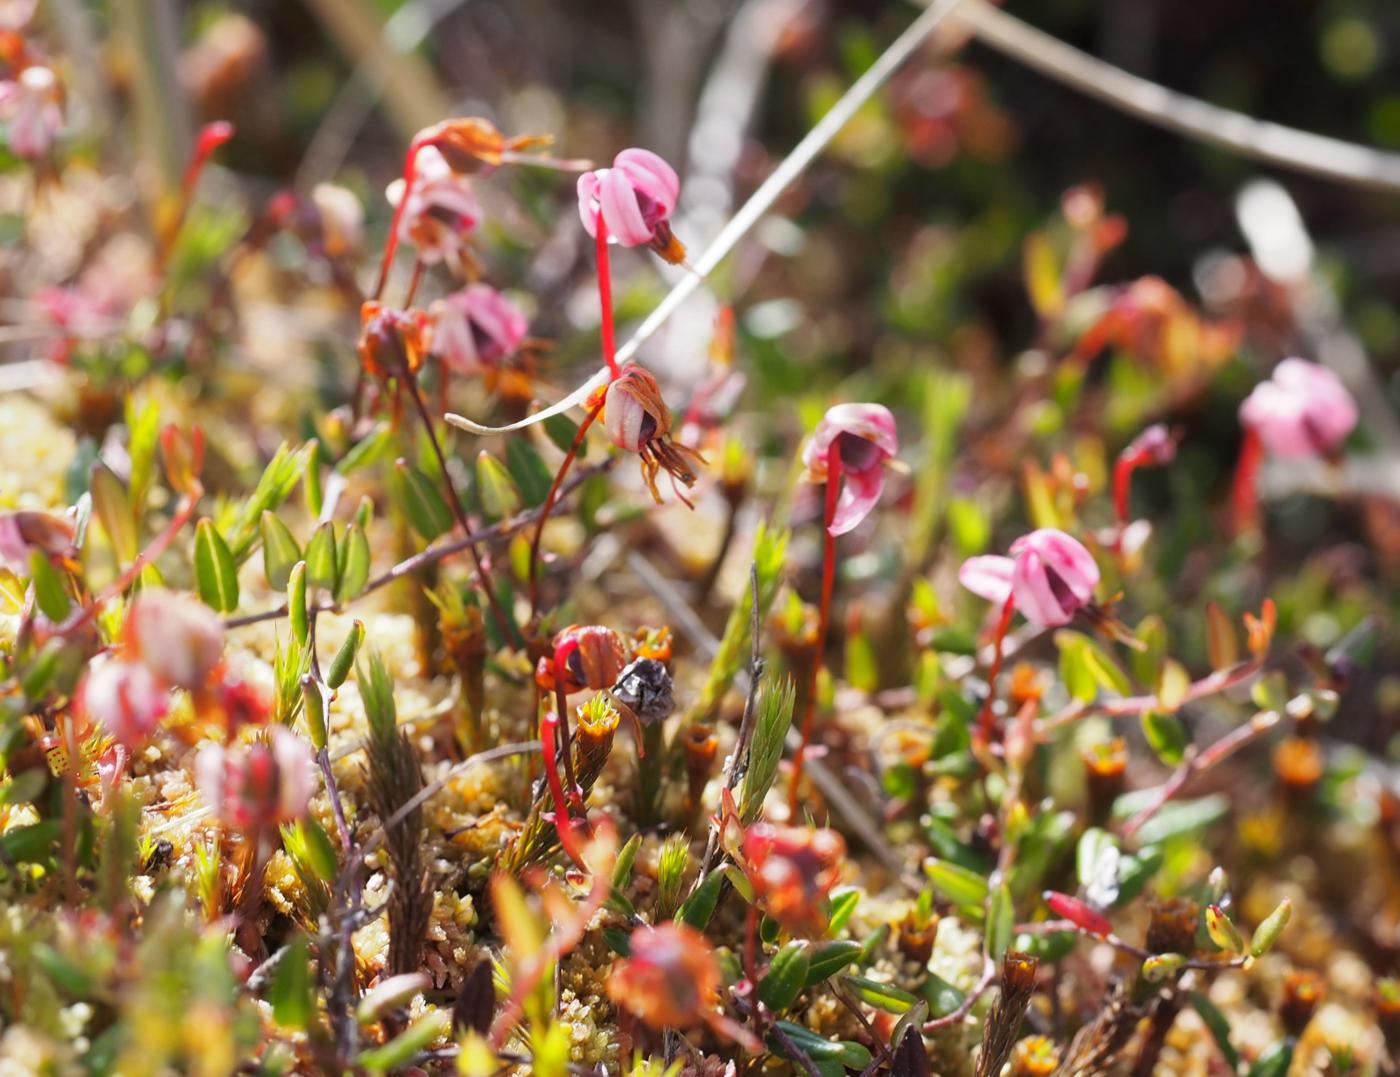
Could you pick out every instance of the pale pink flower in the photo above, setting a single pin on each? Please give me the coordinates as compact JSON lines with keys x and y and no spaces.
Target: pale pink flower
{"x":25,"y":531}
{"x":124,"y":698}
{"x":442,"y":209}
{"x":262,"y":784}
{"x":474,"y":328}
{"x":1302,"y":410}
{"x":32,"y":106}
{"x":635,"y":198}
{"x":1049,"y":575}
{"x":342,"y":219}
{"x":175,"y":636}
{"x":865,"y":440}
{"x":15,"y":14}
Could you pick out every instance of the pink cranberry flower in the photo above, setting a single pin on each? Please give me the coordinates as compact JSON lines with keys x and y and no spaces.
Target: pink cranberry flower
{"x":1302,"y":410}
{"x":1049,"y":575}
{"x":441,"y":209}
{"x":124,"y":698}
{"x":865,"y":440}
{"x":474,"y":328}
{"x":635,"y":198}
{"x":32,"y":107}
{"x":176,"y":637}
{"x":262,"y":784}
{"x":25,"y":531}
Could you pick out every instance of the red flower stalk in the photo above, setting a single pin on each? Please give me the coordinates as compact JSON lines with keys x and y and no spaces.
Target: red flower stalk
{"x":848,"y":451}
{"x":1154,"y":447}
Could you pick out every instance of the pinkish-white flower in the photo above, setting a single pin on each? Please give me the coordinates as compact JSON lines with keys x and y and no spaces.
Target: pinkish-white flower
{"x":635,"y":198}
{"x":124,"y":698}
{"x":261,"y":784}
{"x":1302,"y":410}
{"x":865,"y":441}
{"x":474,"y":328}
{"x":24,"y":532}
{"x":342,"y":219}
{"x":175,"y":636}
{"x":1049,"y":576}
{"x":442,"y":209}
{"x":32,"y":106}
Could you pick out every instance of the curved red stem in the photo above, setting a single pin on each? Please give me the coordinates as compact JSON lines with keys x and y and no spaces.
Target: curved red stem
{"x":562,"y":823}
{"x":562,"y":654}
{"x":833,"y":490}
{"x":391,"y":244}
{"x":1244,"y":495}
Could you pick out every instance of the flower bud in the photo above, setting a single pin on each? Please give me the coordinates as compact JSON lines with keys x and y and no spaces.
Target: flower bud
{"x":670,"y":979}
{"x":257,"y":785}
{"x":124,"y":698}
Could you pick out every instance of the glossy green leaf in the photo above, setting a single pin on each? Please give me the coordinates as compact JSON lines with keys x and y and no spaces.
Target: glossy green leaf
{"x":786,"y":976}
{"x":290,"y":993}
{"x":354,"y":564}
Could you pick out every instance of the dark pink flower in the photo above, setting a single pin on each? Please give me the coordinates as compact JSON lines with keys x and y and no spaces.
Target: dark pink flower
{"x":635,"y":198}
{"x":262,"y":784}
{"x":474,"y":328}
{"x":24,"y":532}
{"x":442,"y":209}
{"x":866,"y":440}
{"x":1050,"y":576}
{"x":124,"y":698}
{"x":1302,"y":410}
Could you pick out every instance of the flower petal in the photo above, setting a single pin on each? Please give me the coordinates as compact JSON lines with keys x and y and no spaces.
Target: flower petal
{"x":1035,"y":598}
{"x":859,"y":493}
{"x":988,"y":577}
{"x":621,"y":211}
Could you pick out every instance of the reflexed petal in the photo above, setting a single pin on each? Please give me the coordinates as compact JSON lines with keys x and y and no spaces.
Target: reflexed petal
{"x":1035,"y":598}
{"x":859,"y":493}
{"x":988,"y":577}
{"x":621,"y":211}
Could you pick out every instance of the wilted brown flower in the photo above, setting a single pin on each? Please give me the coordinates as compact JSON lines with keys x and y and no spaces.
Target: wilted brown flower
{"x":670,"y":979}
{"x":591,"y":656}
{"x":793,"y":870}
{"x":1171,"y":927}
{"x":637,"y":419}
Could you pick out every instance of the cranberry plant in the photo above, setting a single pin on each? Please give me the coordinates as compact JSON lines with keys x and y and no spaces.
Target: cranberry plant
{"x":388,"y":705}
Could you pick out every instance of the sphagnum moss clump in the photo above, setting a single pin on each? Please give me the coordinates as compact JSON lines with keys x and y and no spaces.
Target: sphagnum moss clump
{"x":336,"y":740}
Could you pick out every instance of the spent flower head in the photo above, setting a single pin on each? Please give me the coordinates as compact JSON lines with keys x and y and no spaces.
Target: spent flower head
{"x":262,"y":784}
{"x":474,"y":328}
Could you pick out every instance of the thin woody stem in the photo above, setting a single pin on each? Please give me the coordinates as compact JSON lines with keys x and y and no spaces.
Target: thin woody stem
{"x":548,"y":505}
{"x":483,"y":574}
{"x":833,"y":489}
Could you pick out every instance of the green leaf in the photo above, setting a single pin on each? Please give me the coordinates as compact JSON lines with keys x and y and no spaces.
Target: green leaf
{"x":420,"y":501}
{"x":1001,"y":922}
{"x":829,"y":958}
{"x":1075,"y":673}
{"x":819,"y":1049}
{"x":787,"y":974}
{"x":1096,"y":848}
{"x":280,"y":551}
{"x":29,"y":844}
{"x":495,"y":488}
{"x":1147,"y":663}
{"x":311,"y":480}
{"x":404,"y":1047}
{"x":49,"y":590}
{"x":1275,"y":1061}
{"x":322,"y":558}
{"x":344,"y":659}
{"x":372,"y":447}
{"x":942,"y":997}
{"x":843,"y":904}
{"x":1166,"y":735}
{"x":697,"y":909}
{"x":354,"y":564}
{"x":23,"y":787}
{"x":1219,"y":1027}
{"x":1180,"y":817}
{"x":297,"y":612}
{"x":216,"y":576}
{"x":882,"y":996}
{"x":956,"y":883}
{"x":290,"y":992}
{"x":561,"y":430}
{"x":277,"y":481}
{"x":113,"y":508}
{"x":531,"y":474}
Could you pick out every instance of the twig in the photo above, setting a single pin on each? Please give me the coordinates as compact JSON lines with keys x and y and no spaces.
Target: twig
{"x":1201,"y":762}
{"x":980,"y":988}
{"x":410,"y":565}
{"x":752,"y":211}
{"x":1272,"y":143}
{"x":1054,"y":927}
